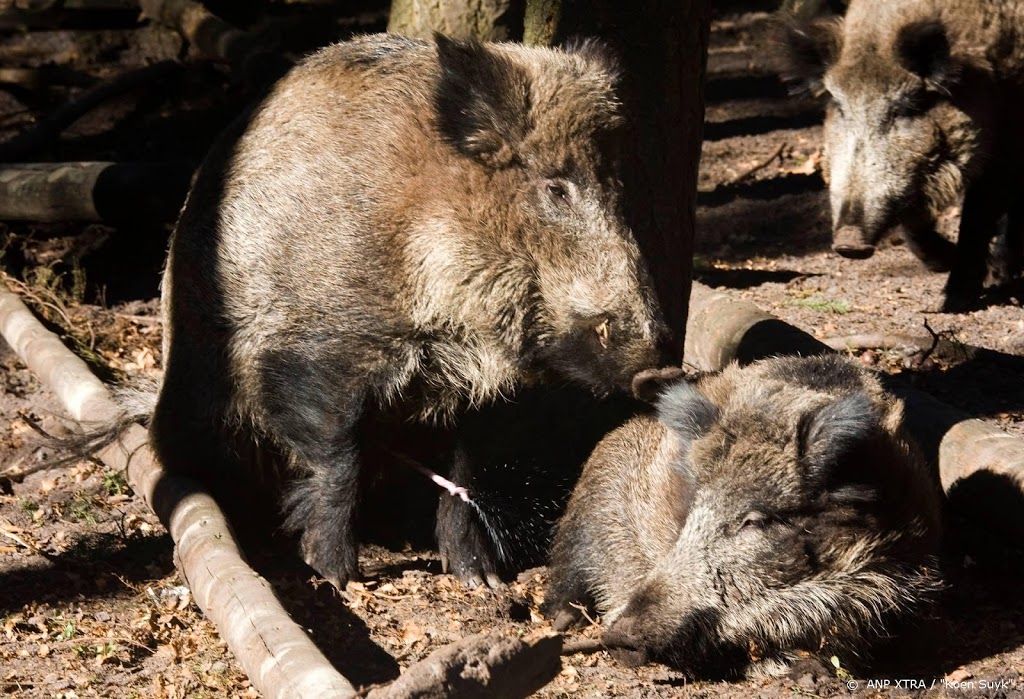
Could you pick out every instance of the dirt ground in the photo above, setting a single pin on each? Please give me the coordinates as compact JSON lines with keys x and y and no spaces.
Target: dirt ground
{"x":90,"y":603}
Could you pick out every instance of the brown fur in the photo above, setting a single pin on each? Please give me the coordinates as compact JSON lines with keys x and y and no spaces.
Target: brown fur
{"x":405,"y":227}
{"x":768,"y":509}
{"x":923,"y":98}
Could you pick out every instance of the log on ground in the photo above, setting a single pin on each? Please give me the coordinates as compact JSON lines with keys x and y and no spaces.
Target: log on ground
{"x":93,"y":191}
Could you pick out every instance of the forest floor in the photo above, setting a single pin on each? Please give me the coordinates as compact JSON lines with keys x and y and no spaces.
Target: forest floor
{"x":90,"y":603}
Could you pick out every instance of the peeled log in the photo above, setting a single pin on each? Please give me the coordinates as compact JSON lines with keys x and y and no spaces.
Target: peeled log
{"x":979,"y":465}
{"x":275,"y":653}
{"x":92,"y":191}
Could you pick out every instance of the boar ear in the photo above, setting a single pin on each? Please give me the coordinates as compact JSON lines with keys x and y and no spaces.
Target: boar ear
{"x":923,"y":49}
{"x":648,"y":384}
{"x":596,"y":52}
{"x":687,"y":411}
{"x":808,"y":49}
{"x":482,"y":101}
{"x":829,"y":435}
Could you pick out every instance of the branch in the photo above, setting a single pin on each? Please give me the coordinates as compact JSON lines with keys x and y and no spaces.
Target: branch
{"x":215,"y":39}
{"x":486,"y":665}
{"x":275,"y":653}
{"x":50,"y":128}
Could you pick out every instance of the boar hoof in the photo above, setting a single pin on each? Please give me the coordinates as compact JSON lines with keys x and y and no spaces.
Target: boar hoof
{"x":958,"y":303}
{"x":854,"y":252}
{"x":333,"y":563}
{"x":473,"y":571}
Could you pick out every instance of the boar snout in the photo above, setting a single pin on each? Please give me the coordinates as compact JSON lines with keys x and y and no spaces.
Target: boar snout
{"x":648,"y":631}
{"x":850,"y":241}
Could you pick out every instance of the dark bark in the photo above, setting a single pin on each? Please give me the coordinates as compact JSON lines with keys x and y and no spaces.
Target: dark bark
{"x":663,"y":50}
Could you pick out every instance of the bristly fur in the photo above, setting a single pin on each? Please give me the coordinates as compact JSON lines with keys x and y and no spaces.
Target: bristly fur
{"x":922,"y":95}
{"x":402,"y":228}
{"x":768,"y":510}
{"x":136,"y":400}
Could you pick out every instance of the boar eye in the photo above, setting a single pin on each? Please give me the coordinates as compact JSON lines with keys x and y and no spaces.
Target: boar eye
{"x":558,"y":191}
{"x":754,"y":520}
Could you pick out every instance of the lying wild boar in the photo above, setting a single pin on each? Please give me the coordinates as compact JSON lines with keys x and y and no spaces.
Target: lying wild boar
{"x":406,"y":228}
{"x":923,"y":110}
{"x":763,"y":510}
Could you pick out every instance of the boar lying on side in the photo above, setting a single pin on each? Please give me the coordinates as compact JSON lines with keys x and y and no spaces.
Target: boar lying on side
{"x":925,"y":104}
{"x":404,"y":228}
{"x":764,"y":510}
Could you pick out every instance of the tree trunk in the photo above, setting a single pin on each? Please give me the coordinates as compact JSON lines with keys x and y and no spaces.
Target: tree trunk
{"x":663,"y":50}
{"x":486,"y":20}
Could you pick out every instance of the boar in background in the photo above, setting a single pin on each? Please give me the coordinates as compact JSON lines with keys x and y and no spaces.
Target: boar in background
{"x":923,"y":112}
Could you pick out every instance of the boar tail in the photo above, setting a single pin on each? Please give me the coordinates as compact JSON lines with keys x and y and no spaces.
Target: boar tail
{"x":136,"y":399}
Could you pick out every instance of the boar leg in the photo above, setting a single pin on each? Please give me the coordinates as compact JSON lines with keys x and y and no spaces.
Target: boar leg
{"x":566,"y":593}
{"x":937,"y":253}
{"x":462,"y":538}
{"x":983,"y":205}
{"x":311,"y":409}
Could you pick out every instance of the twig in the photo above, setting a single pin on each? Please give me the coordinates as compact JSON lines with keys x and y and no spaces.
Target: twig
{"x":583,"y":610}
{"x":935,"y":340}
{"x":777,"y":153}
{"x":141,"y":320}
{"x":583,"y":645}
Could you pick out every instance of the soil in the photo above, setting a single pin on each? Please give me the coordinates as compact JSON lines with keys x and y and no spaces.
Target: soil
{"x":90,"y":603}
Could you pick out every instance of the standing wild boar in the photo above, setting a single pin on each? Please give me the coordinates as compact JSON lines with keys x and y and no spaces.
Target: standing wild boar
{"x":763,"y":510}
{"x":925,"y":97}
{"x":403,"y":228}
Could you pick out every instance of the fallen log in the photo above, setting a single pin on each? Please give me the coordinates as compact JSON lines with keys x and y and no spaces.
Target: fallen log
{"x":966,"y":452}
{"x":93,"y":191}
{"x":276,"y":654}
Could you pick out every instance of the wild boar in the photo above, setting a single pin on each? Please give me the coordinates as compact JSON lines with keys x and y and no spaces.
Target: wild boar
{"x":922,"y":113}
{"x":762,"y":510}
{"x":403,"y":228}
